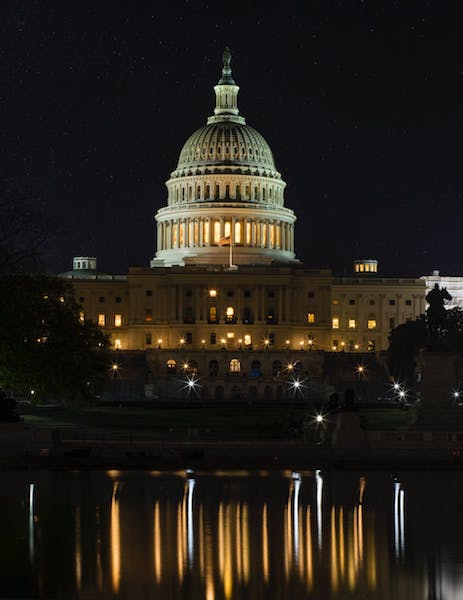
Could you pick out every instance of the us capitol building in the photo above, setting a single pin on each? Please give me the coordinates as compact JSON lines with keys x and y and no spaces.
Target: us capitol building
{"x":225,"y":278}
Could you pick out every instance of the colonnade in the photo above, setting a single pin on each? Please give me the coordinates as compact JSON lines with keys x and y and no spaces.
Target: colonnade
{"x":191,"y":232}
{"x":190,"y":191}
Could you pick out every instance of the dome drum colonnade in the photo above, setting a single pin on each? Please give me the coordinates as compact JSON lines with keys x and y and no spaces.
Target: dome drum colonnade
{"x":224,"y":190}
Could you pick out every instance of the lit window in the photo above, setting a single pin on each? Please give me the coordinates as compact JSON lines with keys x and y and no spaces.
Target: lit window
{"x":310,"y":317}
{"x":235,"y":365}
{"x":352,"y":324}
{"x":117,"y":320}
{"x":247,"y":340}
{"x":371,"y":323}
{"x":117,"y":344}
{"x":230,"y":311}
{"x":148,"y":314}
{"x":81,"y":316}
{"x":335,"y":301}
{"x":335,"y":322}
{"x":212,"y":314}
{"x":371,"y":347}
{"x":230,"y":335}
{"x":101,"y":320}
{"x":213,"y":293}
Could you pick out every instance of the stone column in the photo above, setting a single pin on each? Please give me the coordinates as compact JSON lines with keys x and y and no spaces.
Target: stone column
{"x":201,"y":232}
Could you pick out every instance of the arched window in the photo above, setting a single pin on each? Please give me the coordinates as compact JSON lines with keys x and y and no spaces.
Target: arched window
{"x":230,"y":315}
{"x":198,"y":193}
{"x":247,"y":316}
{"x":188,"y":315}
{"x":227,"y":228}
{"x":227,"y":191}
{"x":276,"y":367}
{"x":212,"y":314}
{"x":255,"y":369}
{"x":208,"y":191}
{"x":270,"y":317}
{"x":213,"y":368}
{"x":235,"y":365}
{"x":171,"y":366}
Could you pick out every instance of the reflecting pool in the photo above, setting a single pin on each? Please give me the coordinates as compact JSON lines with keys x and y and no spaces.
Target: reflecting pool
{"x":231,"y":535}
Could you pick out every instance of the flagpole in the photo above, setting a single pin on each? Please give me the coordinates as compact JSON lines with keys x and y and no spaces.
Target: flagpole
{"x":231,"y":249}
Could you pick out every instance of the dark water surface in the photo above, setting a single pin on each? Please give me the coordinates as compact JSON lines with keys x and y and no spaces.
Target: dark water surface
{"x":231,"y":535}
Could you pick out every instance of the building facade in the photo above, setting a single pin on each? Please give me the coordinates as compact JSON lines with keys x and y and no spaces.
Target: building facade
{"x":225,"y":276}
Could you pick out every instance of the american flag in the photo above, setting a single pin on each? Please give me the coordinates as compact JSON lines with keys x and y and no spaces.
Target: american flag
{"x":225,"y":241}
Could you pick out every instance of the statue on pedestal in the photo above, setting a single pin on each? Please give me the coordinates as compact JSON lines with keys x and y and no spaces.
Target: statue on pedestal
{"x":436,"y":314}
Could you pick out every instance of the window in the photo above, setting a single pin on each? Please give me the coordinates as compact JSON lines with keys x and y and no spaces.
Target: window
{"x":117,"y":320}
{"x":352,"y":324}
{"x":335,"y":301}
{"x":271,"y":294}
{"x":189,"y":293}
{"x":371,"y":323}
{"x":117,"y":299}
{"x":310,"y":317}
{"x":213,"y":338}
{"x":391,"y":302}
{"x":149,"y":292}
{"x":247,"y":340}
{"x":247,"y":293}
{"x":148,"y":314}
{"x":188,"y":337}
{"x":117,"y":344}
{"x":230,"y":293}
{"x":101,"y":299}
{"x":230,"y":335}
{"x":81,"y":300}
{"x":335,"y":323}
{"x":371,"y":347}
{"x":171,"y":366}
{"x":247,"y":316}
{"x":81,"y":316}
{"x":335,"y":344}
{"x":352,"y":347}
{"x":408,"y":302}
{"x":212,"y":314}
{"x":230,"y":315}
{"x":391,"y":323}
{"x":351,"y":302}
{"x":270,"y":316}
{"x":372,"y":302}
{"x":310,"y":294}
{"x":148,"y":339}
{"x":212,"y":293}
{"x":101,"y":320}
{"x":235,"y":365}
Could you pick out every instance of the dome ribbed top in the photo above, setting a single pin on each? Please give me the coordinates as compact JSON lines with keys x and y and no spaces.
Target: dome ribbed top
{"x":226,"y":143}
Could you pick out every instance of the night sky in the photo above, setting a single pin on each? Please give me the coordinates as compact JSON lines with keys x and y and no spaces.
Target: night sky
{"x":361,"y":103}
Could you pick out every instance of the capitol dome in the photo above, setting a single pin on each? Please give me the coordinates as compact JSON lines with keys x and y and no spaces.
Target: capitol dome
{"x":225,"y":191}
{"x":226,"y":143}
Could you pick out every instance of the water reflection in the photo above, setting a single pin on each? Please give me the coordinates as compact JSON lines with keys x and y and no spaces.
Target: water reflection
{"x":234,"y":535}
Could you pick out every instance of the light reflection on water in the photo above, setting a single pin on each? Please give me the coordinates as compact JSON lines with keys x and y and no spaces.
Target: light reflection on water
{"x":231,"y":535}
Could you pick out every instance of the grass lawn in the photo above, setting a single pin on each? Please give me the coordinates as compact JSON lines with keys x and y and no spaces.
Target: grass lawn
{"x":241,"y":423}
{"x":173,"y":424}
{"x":386,"y":418}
